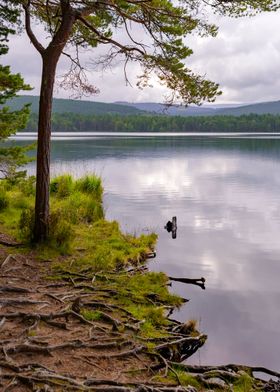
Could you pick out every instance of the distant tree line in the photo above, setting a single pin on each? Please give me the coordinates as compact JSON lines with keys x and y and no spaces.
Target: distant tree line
{"x":72,"y":122}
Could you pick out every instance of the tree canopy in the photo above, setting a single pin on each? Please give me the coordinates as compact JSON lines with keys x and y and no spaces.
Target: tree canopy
{"x":162,"y":51}
{"x":10,"y":84}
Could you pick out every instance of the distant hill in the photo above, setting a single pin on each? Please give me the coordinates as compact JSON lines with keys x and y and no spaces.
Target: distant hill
{"x":174,"y":110}
{"x":207,"y":110}
{"x":257,"y":108}
{"x":128,"y":108}
{"x":73,"y":106}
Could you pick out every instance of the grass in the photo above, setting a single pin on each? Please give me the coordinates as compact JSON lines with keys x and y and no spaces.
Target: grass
{"x":73,"y":204}
{"x":91,"y":315}
{"x":185,"y":378}
{"x":244,"y":384}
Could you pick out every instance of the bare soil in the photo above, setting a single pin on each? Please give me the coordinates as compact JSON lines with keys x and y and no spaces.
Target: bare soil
{"x":46,"y":344}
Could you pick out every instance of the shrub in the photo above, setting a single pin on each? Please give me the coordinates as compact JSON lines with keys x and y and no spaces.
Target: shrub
{"x":20,"y":202}
{"x":62,"y":186}
{"x":26,"y":223}
{"x":61,"y":232}
{"x":4,"y":200}
{"x":27,"y":186}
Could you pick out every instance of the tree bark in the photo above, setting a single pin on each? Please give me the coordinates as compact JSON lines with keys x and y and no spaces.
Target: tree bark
{"x":43,"y":149}
{"x":50,"y":57}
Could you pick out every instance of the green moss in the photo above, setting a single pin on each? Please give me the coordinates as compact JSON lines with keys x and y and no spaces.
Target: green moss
{"x":150,"y":288}
{"x":244,"y":383}
{"x":185,"y":378}
{"x":91,"y":315}
{"x":33,"y":332}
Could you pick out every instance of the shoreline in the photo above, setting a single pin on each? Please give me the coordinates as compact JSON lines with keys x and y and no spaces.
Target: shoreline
{"x":84,"y":311}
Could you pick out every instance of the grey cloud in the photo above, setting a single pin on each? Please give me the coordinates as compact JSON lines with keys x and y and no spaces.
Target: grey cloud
{"x":244,"y":59}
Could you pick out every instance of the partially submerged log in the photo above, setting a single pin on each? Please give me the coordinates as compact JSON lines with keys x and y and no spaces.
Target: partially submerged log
{"x":198,"y":282}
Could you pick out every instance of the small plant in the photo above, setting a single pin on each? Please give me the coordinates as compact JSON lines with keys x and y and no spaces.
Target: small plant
{"x":185,"y":378}
{"x":26,"y":223}
{"x":27,"y":186}
{"x":61,"y":233}
{"x":90,"y":184}
{"x":91,"y":315}
{"x":243,"y":384}
{"x":62,"y":186}
{"x":93,"y":211}
{"x":4,"y":200}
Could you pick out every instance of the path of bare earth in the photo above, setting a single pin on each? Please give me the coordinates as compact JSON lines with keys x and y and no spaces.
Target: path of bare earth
{"x":46,"y":343}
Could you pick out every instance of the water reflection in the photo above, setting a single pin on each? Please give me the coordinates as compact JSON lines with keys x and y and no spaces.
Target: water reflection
{"x":225,"y":194}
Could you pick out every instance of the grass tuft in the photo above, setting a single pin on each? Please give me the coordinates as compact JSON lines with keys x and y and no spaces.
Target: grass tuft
{"x":4,"y":200}
{"x":62,"y":186}
{"x":90,"y":184}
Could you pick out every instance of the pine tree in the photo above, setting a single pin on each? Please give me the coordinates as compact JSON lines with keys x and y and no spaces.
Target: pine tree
{"x":10,"y":121}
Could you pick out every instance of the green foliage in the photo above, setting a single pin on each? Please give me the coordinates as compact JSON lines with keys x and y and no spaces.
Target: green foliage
{"x":62,"y":186}
{"x":10,"y":121}
{"x":71,"y":209}
{"x":4,"y":201}
{"x":144,"y":296}
{"x":9,"y":20}
{"x":185,"y":378}
{"x":80,"y":199}
{"x":108,"y":248}
{"x":243,"y":384}
{"x":90,"y":184}
{"x":26,"y":223}
{"x":61,"y":232}
{"x":27,"y":186}
{"x":91,"y":315}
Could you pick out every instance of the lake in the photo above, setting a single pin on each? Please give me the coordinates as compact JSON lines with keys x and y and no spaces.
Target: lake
{"x":225,"y":192}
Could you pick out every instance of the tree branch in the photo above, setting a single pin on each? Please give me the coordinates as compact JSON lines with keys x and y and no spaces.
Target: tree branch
{"x":29,"y":31}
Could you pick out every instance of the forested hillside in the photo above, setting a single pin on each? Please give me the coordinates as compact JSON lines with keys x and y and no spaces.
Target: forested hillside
{"x":73,"y":106}
{"x":127,"y":108}
{"x":72,"y":122}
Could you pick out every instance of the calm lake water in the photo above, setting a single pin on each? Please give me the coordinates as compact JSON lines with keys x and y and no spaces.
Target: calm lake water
{"x":225,"y":194}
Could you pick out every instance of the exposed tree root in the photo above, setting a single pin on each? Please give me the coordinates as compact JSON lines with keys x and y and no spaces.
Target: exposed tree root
{"x":227,"y":368}
{"x":13,"y":289}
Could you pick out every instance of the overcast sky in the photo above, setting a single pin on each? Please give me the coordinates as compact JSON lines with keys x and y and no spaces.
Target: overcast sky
{"x":244,"y":59}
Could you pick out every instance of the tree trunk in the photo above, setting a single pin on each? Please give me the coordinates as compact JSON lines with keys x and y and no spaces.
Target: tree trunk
{"x":50,"y":57}
{"x":43,"y":149}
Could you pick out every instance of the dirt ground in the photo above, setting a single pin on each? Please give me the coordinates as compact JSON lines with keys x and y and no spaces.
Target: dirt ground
{"x":43,"y":334}
{"x":48,"y":345}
